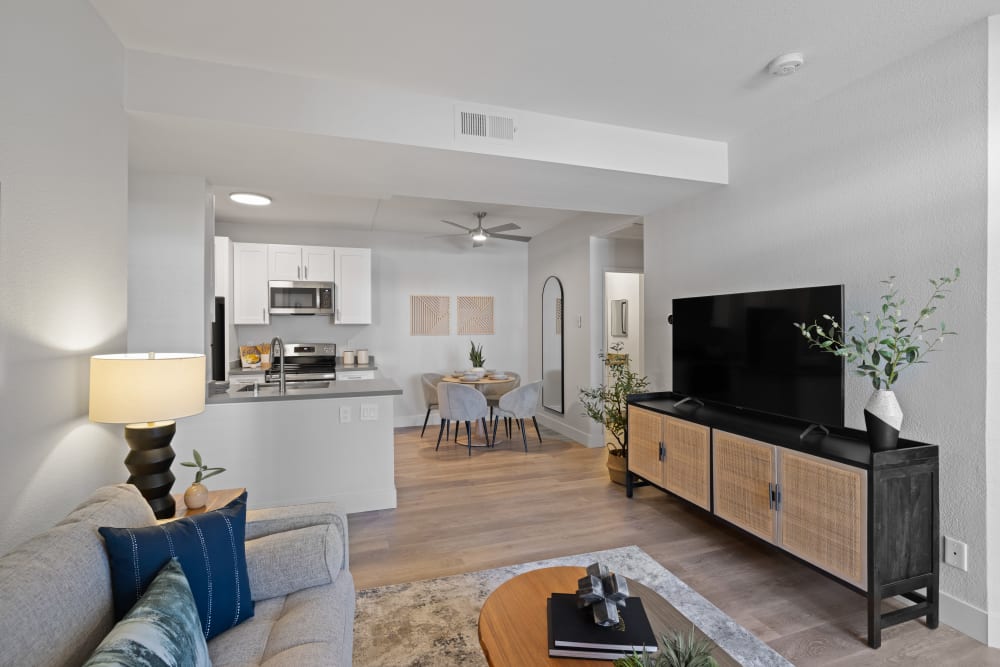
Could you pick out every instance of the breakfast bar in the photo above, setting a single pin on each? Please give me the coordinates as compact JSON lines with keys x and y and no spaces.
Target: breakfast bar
{"x":333,"y":443}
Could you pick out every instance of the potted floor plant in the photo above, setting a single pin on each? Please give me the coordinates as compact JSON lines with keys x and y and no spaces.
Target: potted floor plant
{"x":606,"y":404}
{"x":886,"y":344}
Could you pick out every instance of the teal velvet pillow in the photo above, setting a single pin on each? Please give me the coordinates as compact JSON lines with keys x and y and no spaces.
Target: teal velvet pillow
{"x":163,"y":629}
{"x":211,"y":552}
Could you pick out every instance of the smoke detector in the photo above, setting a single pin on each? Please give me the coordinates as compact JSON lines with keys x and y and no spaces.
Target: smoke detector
{"x":788,"y":63}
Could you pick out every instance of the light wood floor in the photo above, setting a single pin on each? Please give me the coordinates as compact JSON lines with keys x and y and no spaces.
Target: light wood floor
{"x":502,"y":506}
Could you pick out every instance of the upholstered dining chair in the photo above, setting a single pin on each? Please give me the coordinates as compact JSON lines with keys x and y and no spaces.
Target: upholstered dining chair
{"x":493,"y":392}
{"x":519,"y":404}
{"x":461,"y":402}
{"x":429,"y":383}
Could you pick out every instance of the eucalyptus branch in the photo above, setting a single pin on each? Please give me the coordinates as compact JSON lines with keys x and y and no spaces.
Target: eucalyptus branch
{"x":887,"y":343}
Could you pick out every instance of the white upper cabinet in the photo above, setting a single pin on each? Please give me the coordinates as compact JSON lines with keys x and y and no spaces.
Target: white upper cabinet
{"x":250,"y":275}
{"x":297,"y":262}
{"x":353,"y":285}
{"x":317,"y":263}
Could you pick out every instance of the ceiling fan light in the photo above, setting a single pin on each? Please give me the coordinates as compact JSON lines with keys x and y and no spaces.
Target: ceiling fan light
{"x":479,"y":236}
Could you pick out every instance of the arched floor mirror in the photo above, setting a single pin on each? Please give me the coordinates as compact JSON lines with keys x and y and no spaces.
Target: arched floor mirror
{"x":552,"y":345}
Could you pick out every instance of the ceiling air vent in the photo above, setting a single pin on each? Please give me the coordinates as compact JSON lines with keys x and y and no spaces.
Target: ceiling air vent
{"x":480,"y":125}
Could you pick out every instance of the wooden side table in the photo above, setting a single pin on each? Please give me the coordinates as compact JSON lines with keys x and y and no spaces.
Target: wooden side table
{"x":513,"y":624}
{"x":216,"y":499}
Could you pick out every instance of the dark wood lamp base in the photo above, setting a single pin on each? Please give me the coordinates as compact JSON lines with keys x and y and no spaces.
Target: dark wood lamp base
{"x":149,"y":464}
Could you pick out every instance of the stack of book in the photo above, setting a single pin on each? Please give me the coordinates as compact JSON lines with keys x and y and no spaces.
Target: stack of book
{"x":573,"y":633}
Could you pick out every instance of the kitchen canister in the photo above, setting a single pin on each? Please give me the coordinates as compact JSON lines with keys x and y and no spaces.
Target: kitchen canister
{"x":348,"y":357}
{"x":362,"y":357}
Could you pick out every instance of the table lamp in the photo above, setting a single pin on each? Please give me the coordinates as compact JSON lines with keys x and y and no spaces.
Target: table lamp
{"x":146,"y":392}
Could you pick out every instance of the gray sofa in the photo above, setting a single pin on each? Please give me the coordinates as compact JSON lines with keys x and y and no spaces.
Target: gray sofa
{"x":55,"y":589}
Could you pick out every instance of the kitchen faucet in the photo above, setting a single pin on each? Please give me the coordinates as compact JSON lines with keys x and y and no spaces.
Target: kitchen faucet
{"x":278,"y":350}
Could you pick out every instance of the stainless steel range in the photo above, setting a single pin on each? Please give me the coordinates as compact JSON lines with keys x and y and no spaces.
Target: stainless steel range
{"x":305,"y":361}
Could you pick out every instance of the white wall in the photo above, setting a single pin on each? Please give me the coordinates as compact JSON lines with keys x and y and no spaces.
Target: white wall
{"x":63,"y":256}
{"x":626,"y":286}
{"x":887,"y":176}
{"x":167,"y":263}
{"x":570,"y":252}
{"x":404,"y":265}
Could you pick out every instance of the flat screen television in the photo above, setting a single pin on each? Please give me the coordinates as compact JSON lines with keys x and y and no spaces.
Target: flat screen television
{"x":742,"y":350}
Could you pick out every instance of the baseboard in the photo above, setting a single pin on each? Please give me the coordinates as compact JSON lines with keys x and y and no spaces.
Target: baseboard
{"x":565,"y":429}
{"x":965,"y":618}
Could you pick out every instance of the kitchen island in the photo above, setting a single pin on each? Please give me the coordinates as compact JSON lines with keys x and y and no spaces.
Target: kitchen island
{"x":332,"y":443}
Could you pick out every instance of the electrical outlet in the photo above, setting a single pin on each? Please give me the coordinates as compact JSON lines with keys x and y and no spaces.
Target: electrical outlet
{"x":345,"y":414}
{"x":369,"y":413}
{"x":956,"y":554}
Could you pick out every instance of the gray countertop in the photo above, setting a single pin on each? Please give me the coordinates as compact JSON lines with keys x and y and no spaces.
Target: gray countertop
{"x":341,"y":389}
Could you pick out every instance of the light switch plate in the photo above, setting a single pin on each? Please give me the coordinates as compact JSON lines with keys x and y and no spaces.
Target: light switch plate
{"x":369,"y":412}
{"x":345,"y":414}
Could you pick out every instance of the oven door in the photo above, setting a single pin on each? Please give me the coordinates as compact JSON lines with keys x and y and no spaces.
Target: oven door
{"x":295,"y":297}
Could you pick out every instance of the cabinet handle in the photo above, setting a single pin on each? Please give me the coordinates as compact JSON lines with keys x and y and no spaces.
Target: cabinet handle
{"x":663,"y":452}
{"x":298,"y":272}
{"x":263,"y":314}
{"x":307,"y":272}
{"x":770,"y":496}
{"x":777,"y":497}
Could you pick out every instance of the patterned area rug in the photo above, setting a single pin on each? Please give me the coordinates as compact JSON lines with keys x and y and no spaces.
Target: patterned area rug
{"x":433,"y":623}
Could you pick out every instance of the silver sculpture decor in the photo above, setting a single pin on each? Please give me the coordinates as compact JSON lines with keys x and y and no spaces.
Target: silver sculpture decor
{"x":604,"y":592}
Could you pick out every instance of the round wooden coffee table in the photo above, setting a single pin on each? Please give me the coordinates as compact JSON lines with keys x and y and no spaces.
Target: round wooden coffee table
{"x":513,"y":625}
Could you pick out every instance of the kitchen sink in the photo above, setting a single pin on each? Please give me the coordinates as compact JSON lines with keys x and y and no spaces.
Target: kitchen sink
{"x":271,"y":388}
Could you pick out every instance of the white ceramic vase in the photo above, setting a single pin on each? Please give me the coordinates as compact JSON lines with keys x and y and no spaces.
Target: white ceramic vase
{"x":883,"y":419}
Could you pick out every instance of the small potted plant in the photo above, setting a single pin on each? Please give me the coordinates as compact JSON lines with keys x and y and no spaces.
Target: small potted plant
{"x":476,"y":357}
{"x":196,"y":495}
{"x":679,"y":650}
{"x":606,"y":404}
{"x":886,"y":344}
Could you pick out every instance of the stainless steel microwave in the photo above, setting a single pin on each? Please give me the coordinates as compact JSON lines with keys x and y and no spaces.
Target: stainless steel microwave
{"x":298,"y":297}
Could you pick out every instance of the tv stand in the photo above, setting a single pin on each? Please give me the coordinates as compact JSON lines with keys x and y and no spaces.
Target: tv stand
{"x":867,"y":519}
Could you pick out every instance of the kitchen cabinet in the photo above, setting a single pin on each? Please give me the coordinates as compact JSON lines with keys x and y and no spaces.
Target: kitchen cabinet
{"x":250,"y":275}
{"x":293,"y":262}
{"x":671,"y":453}
{"x":353,"y":285}
{"x":355,"y":375}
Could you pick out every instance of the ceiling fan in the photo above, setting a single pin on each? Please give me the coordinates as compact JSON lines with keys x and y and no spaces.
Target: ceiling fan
{"x":479,"y":234}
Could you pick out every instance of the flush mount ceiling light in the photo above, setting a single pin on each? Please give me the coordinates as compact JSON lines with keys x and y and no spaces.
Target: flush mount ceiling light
{"x":250,"y":199}
{"x":788,"y":63}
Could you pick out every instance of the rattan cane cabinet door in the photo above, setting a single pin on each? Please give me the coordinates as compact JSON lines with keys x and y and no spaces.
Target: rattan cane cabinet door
{"x":823,"y":514}
{"x":687,"y":468}
{"x":645,"y":433}
{"x":743,"y":471}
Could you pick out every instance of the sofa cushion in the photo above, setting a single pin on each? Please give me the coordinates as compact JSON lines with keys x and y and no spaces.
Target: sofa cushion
{"x":55,"y":589}
{"x":289,"y":561}
{"x":310,"y":627}
{"x":163,"y":628}
{"x":210,"y":549}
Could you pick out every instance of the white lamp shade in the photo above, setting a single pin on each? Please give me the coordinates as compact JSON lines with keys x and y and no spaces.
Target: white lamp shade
{"x":133,"y":388}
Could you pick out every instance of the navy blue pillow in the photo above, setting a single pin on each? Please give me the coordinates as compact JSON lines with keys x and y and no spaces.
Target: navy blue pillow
{"x":210,"y":549}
